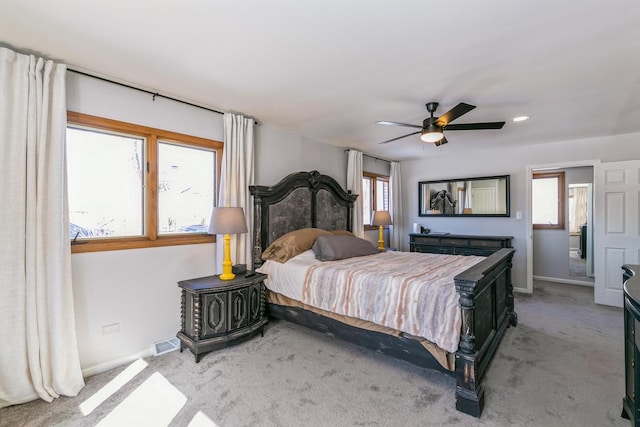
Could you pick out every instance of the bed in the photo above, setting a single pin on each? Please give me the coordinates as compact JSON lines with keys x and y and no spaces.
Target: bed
{"x":483,"y":290}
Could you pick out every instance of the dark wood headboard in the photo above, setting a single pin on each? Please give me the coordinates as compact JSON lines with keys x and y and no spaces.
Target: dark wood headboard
{"x":300,"y":200}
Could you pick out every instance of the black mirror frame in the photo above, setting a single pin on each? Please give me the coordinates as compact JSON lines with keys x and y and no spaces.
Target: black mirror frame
{"x":507,"y":197}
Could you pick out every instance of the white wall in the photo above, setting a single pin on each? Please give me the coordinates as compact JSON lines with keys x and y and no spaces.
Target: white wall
{"x":511,"y":161}
{"x":137,"y":289}
{"x":279,"y":153}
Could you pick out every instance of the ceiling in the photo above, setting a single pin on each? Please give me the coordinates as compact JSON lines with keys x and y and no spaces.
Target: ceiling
{"x":330,"y":69}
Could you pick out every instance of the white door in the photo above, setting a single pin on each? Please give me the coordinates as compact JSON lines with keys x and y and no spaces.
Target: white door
{"x":483,"y":200}
{"x":617,"y":235}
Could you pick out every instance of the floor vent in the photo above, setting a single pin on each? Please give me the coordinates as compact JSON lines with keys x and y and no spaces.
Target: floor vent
{"x":166,"y":346}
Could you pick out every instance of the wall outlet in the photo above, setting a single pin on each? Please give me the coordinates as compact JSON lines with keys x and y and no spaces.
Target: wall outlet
{"x":111,"y":329}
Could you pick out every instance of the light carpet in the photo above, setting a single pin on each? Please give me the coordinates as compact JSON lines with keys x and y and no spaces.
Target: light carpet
{"x":561,"y":366}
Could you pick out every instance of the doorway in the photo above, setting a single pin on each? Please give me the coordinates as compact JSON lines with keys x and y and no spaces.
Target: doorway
{"x":548,"y":251}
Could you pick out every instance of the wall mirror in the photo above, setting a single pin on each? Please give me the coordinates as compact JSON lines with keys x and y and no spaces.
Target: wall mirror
{"x":482,"y":196}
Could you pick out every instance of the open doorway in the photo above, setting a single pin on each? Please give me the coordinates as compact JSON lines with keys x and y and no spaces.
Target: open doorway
{"x":549,"y":250}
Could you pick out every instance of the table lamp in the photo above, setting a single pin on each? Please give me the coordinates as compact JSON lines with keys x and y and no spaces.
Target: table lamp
{"x":381,"y":218}
{"x":227,"y":221}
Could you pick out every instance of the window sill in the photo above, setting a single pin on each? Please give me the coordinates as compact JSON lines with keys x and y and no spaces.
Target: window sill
{"x":84,"y":246}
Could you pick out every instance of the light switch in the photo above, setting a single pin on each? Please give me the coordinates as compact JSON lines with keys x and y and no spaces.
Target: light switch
{"x":519,"y":215}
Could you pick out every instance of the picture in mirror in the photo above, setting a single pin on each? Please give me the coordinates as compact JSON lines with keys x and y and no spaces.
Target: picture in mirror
{"x":482,"y":196}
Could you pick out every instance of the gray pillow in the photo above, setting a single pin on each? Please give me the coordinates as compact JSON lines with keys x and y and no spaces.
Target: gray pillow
{"x":331,"y":247}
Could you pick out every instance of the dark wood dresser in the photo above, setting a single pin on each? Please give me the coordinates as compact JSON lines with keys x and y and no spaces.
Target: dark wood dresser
{"x":630,"y":407}
{"x":458,"y":244}
{"x":217,"y":313}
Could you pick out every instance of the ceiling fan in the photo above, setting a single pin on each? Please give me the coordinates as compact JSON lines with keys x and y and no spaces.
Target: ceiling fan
{"x":433,"y":128}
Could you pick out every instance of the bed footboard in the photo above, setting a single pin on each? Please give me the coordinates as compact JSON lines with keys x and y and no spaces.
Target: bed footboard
{"x":486,"y":301}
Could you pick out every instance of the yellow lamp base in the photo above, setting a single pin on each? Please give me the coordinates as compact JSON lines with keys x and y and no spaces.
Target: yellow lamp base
{"x":381,"y":240}
{"x":226,"y":262}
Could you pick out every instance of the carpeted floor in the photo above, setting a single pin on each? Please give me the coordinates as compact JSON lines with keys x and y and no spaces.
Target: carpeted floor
{"x":578,"y":268}
{"x":561,"y":366}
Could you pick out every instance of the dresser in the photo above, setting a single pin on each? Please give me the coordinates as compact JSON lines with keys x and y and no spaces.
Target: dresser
{"x":217,"y":313}
{"x":458,"y":244}
{"x":630,"y":407}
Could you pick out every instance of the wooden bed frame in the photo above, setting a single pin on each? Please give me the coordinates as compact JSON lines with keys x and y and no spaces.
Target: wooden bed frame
{"x":310,"y":199}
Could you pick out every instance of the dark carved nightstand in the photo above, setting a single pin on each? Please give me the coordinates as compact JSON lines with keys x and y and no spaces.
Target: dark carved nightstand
{"x":218,"y":313}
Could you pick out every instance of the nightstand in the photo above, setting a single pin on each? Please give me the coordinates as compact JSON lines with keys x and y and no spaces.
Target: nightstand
{"x":218,"y":313}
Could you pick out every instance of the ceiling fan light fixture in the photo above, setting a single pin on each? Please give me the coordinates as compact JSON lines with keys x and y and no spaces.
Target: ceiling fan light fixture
{"x":432,"y":133}
{"x":432,"y":129}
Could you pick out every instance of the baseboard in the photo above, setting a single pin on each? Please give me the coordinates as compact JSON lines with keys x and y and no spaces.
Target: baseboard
{"x":567,"y":281}
{"x":106,"y":366}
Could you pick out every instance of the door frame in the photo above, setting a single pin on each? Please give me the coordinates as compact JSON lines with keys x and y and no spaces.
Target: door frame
{"x":529,"y":215}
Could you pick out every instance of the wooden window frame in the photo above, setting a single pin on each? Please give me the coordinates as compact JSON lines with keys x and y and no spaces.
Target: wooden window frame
{"x":374,"y":177}
{"x":561,"y":200}
{"x":151,"y":238}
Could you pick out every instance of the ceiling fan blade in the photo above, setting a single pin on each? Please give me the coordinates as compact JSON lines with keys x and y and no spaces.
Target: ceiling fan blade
{"x":400,"y":137}
{"x":385,"y":122}
{"x":454,"y":113}
{"x":475,"y":126}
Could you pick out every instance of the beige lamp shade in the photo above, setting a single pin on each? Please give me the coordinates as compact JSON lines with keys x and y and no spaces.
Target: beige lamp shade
{"x":381,"y":218}
{"x":227,"y":221}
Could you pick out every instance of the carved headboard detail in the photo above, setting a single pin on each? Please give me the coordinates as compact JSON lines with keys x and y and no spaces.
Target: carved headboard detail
{"x":300,"y":200}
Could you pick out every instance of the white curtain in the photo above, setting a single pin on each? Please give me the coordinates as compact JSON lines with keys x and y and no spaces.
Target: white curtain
{"x":577,"y":209}
{"x":38,"y":348}
{"x":236,"y":175}
{"x":354,"y":184}
{"x":396,"y":236}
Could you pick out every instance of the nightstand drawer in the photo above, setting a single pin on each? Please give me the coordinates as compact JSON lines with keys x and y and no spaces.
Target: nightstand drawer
{"x":457,"y":244}
{"x":215,"y":307}
{"x":238,"y":313}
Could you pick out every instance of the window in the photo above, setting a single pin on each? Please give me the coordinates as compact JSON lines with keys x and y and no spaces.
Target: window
{"x":132,"y":186}
{"x":548,"y":200}
{"x":186,"y":183}
{"x":375,"y":196}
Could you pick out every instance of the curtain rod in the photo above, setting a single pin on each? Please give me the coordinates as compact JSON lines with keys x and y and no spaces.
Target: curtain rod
{"x":370,"y":156}
{"x":155,"y":94}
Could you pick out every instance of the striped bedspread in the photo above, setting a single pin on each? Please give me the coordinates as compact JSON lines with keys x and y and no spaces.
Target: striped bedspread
{"x":407,"y":291}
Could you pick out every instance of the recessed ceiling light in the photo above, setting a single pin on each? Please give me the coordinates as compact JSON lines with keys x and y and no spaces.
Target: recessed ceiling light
{"x":520,"y":118}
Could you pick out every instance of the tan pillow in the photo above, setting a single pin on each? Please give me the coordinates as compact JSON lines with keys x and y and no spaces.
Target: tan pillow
{"x":342,"y":233}
{"x":293,"y":243}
